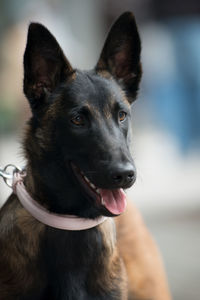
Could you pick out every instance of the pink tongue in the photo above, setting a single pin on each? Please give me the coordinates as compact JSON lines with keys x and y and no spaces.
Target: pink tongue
{"x":114,"y":200}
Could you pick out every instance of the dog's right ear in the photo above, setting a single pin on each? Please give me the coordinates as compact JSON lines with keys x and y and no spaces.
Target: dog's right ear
{"x":45,"y":66}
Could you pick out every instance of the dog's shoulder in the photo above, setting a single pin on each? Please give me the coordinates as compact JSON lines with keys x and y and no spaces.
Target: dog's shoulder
{"x":17,"y":223}
{"x":141,"y":257}
{"x":19,"y":246}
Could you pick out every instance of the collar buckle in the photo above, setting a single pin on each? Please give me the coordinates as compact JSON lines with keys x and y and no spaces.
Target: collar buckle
{"x":7,"y":173}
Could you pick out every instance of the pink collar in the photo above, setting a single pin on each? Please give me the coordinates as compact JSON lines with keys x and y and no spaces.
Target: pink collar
{"x":66,"y":222}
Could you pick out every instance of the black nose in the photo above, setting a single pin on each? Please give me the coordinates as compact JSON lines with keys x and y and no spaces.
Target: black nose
{"x":123,"y":175}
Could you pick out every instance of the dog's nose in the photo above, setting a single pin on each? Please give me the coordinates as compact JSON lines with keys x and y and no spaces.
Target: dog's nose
{"x":123,"y":175}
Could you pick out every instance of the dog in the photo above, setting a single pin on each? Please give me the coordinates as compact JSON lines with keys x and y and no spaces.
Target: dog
{"x":77,"y":147}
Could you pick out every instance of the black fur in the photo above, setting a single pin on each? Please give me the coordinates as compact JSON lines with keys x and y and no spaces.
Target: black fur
{"x":73,"y":265}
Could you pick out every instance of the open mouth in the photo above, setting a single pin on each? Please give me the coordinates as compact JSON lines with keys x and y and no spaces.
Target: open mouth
{"x":113,"y":200}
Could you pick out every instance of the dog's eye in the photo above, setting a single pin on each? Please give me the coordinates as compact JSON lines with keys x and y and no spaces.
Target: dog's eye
{"x":78,"y":120}
{"x":122,"y":116}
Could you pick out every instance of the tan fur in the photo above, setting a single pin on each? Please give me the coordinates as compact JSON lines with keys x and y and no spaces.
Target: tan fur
{"x":29,"y":225}
{"x":104,"y":74}
{"x":146,"y":277}
{"x":19,"y":249}
{"x":108,"y":231}
{"x":124,"y":98}
{"x":109,"y":270}
{"x":107,"y":112}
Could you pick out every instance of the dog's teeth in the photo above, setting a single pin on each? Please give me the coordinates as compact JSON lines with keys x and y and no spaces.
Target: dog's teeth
{"x":92,"y":185}
{"x":86,"y":179}
{"x":102,"y":200}
{"x":98,"y":191}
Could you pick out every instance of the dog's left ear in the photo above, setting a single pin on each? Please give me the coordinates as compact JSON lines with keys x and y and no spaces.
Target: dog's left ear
{"x":121,"y":54}
{"x":45,"y":67}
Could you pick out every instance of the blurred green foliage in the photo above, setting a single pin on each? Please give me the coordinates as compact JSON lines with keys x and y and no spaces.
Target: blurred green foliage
{"x":8,"y":118}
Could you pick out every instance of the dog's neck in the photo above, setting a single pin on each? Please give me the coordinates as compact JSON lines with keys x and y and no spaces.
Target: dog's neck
{"x":47,"y":190}
{"x":106,"y":229}
{"x":64,"y":222}
{"x":34,"y":187}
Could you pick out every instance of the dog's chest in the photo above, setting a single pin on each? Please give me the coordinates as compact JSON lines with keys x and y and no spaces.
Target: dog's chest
{"x":74,"y":262}
{"x":69,"y":258}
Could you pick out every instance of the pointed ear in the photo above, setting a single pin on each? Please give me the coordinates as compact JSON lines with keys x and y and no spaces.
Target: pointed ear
{"x":45,"y":66}
{"x":121,"y":54}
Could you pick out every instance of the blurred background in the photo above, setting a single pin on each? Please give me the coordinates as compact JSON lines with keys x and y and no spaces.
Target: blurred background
{"x":166,"y":116}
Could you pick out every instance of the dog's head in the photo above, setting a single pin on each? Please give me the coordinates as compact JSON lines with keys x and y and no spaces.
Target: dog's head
{"x":77,"y":143}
